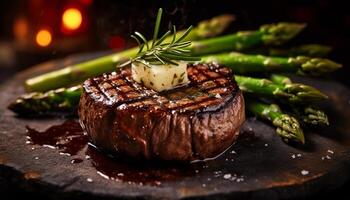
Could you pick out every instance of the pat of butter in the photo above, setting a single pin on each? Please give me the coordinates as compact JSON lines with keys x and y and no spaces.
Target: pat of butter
{"x":160,"y":77}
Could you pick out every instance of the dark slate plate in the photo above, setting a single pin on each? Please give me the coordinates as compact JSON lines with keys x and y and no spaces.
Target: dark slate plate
{"x":259,"y":166}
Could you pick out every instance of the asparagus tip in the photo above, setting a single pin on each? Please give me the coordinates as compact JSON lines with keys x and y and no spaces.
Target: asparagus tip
{"x":214,"y":26}
{"x":289,"y":128}
{"x":315,"y":50}
{"x":277,"y":34}
{"x":315,"y":116}
{"x":304,"y":93}
{"x":316,"y":66}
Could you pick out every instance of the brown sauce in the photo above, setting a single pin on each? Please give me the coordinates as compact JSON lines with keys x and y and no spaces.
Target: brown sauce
{"x":67,"y":137}
{"x":70,"y":139}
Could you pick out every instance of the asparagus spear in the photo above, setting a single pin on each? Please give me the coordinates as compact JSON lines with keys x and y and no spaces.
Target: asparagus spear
{"x":280,"y":79}
{"x":308,"y":114}
{"x":243,"y":63}
{"x":63,"y":99}
{"x":270,"y":34}
{"x":267,"y":34}
{"x":310,"y":50}
{"x":291,"y":93}
{"x":287,"y":127}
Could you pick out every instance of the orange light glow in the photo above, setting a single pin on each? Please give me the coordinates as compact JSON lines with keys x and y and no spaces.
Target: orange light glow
{"x":72,"y":19}
{"x":43,"y":38}
{"x":20,"y":29}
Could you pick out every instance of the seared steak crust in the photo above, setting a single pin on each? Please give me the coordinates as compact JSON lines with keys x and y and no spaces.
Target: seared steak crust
{"x":192,"y":122}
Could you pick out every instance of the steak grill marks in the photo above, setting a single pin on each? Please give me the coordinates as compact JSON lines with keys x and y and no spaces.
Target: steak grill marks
{"x":209,"y":85}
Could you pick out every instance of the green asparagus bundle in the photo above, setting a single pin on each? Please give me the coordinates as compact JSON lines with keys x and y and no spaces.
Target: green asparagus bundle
{"x":308,"y":114}
{"x":243,"y":64}
{"x":63,"y":99}
{"x":267,"y":34}
{"x":287,"y":127}
{"x":292,"y":93}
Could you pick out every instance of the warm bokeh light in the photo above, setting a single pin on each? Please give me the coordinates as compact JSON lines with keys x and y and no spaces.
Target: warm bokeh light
{"x":43,"y":37}
{"x":72,"y":19}
{"x":20,"y":28}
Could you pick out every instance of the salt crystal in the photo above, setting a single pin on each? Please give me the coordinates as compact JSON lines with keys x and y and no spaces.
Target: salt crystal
{"x":304,"y":172}
{"x":204,"y":185}
{"x":49,"y":146}
{"x":330,"y":151}
{"x":266,"y":145}
{"x":227,"y":176}
{"x":299,"y":155}
{"x":64,"y":154}
{"x":233,"y":152}
{"x":293,"y":156}
{"x":89,"y":180}
{"x":328,"y":157}
{"x":217,"y":172}
{"x":158,"y":182}
{"x":239,"y":180}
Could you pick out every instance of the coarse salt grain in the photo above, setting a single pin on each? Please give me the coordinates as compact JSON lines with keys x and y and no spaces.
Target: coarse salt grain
{"x":304,"y":172}
{"x":330,"y":151}
{"x":89,"y":180}
{"x":227,"y":176}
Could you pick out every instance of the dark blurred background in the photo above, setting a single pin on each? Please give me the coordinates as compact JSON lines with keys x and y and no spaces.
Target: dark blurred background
{"x":35,"y":31}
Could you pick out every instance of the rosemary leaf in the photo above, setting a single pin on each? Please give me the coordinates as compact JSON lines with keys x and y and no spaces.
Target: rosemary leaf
{"x":156,"y":27}
{"x":142,"y":38}
{"x":185,"y":34}
{"x":139,"y":42}
{"x":163,"y":38}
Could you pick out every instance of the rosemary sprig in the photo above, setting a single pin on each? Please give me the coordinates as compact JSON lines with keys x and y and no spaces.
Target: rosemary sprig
{"x":159,"y":52}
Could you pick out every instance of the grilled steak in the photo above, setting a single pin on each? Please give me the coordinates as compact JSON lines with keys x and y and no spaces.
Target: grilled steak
{"x":193,"y":122}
